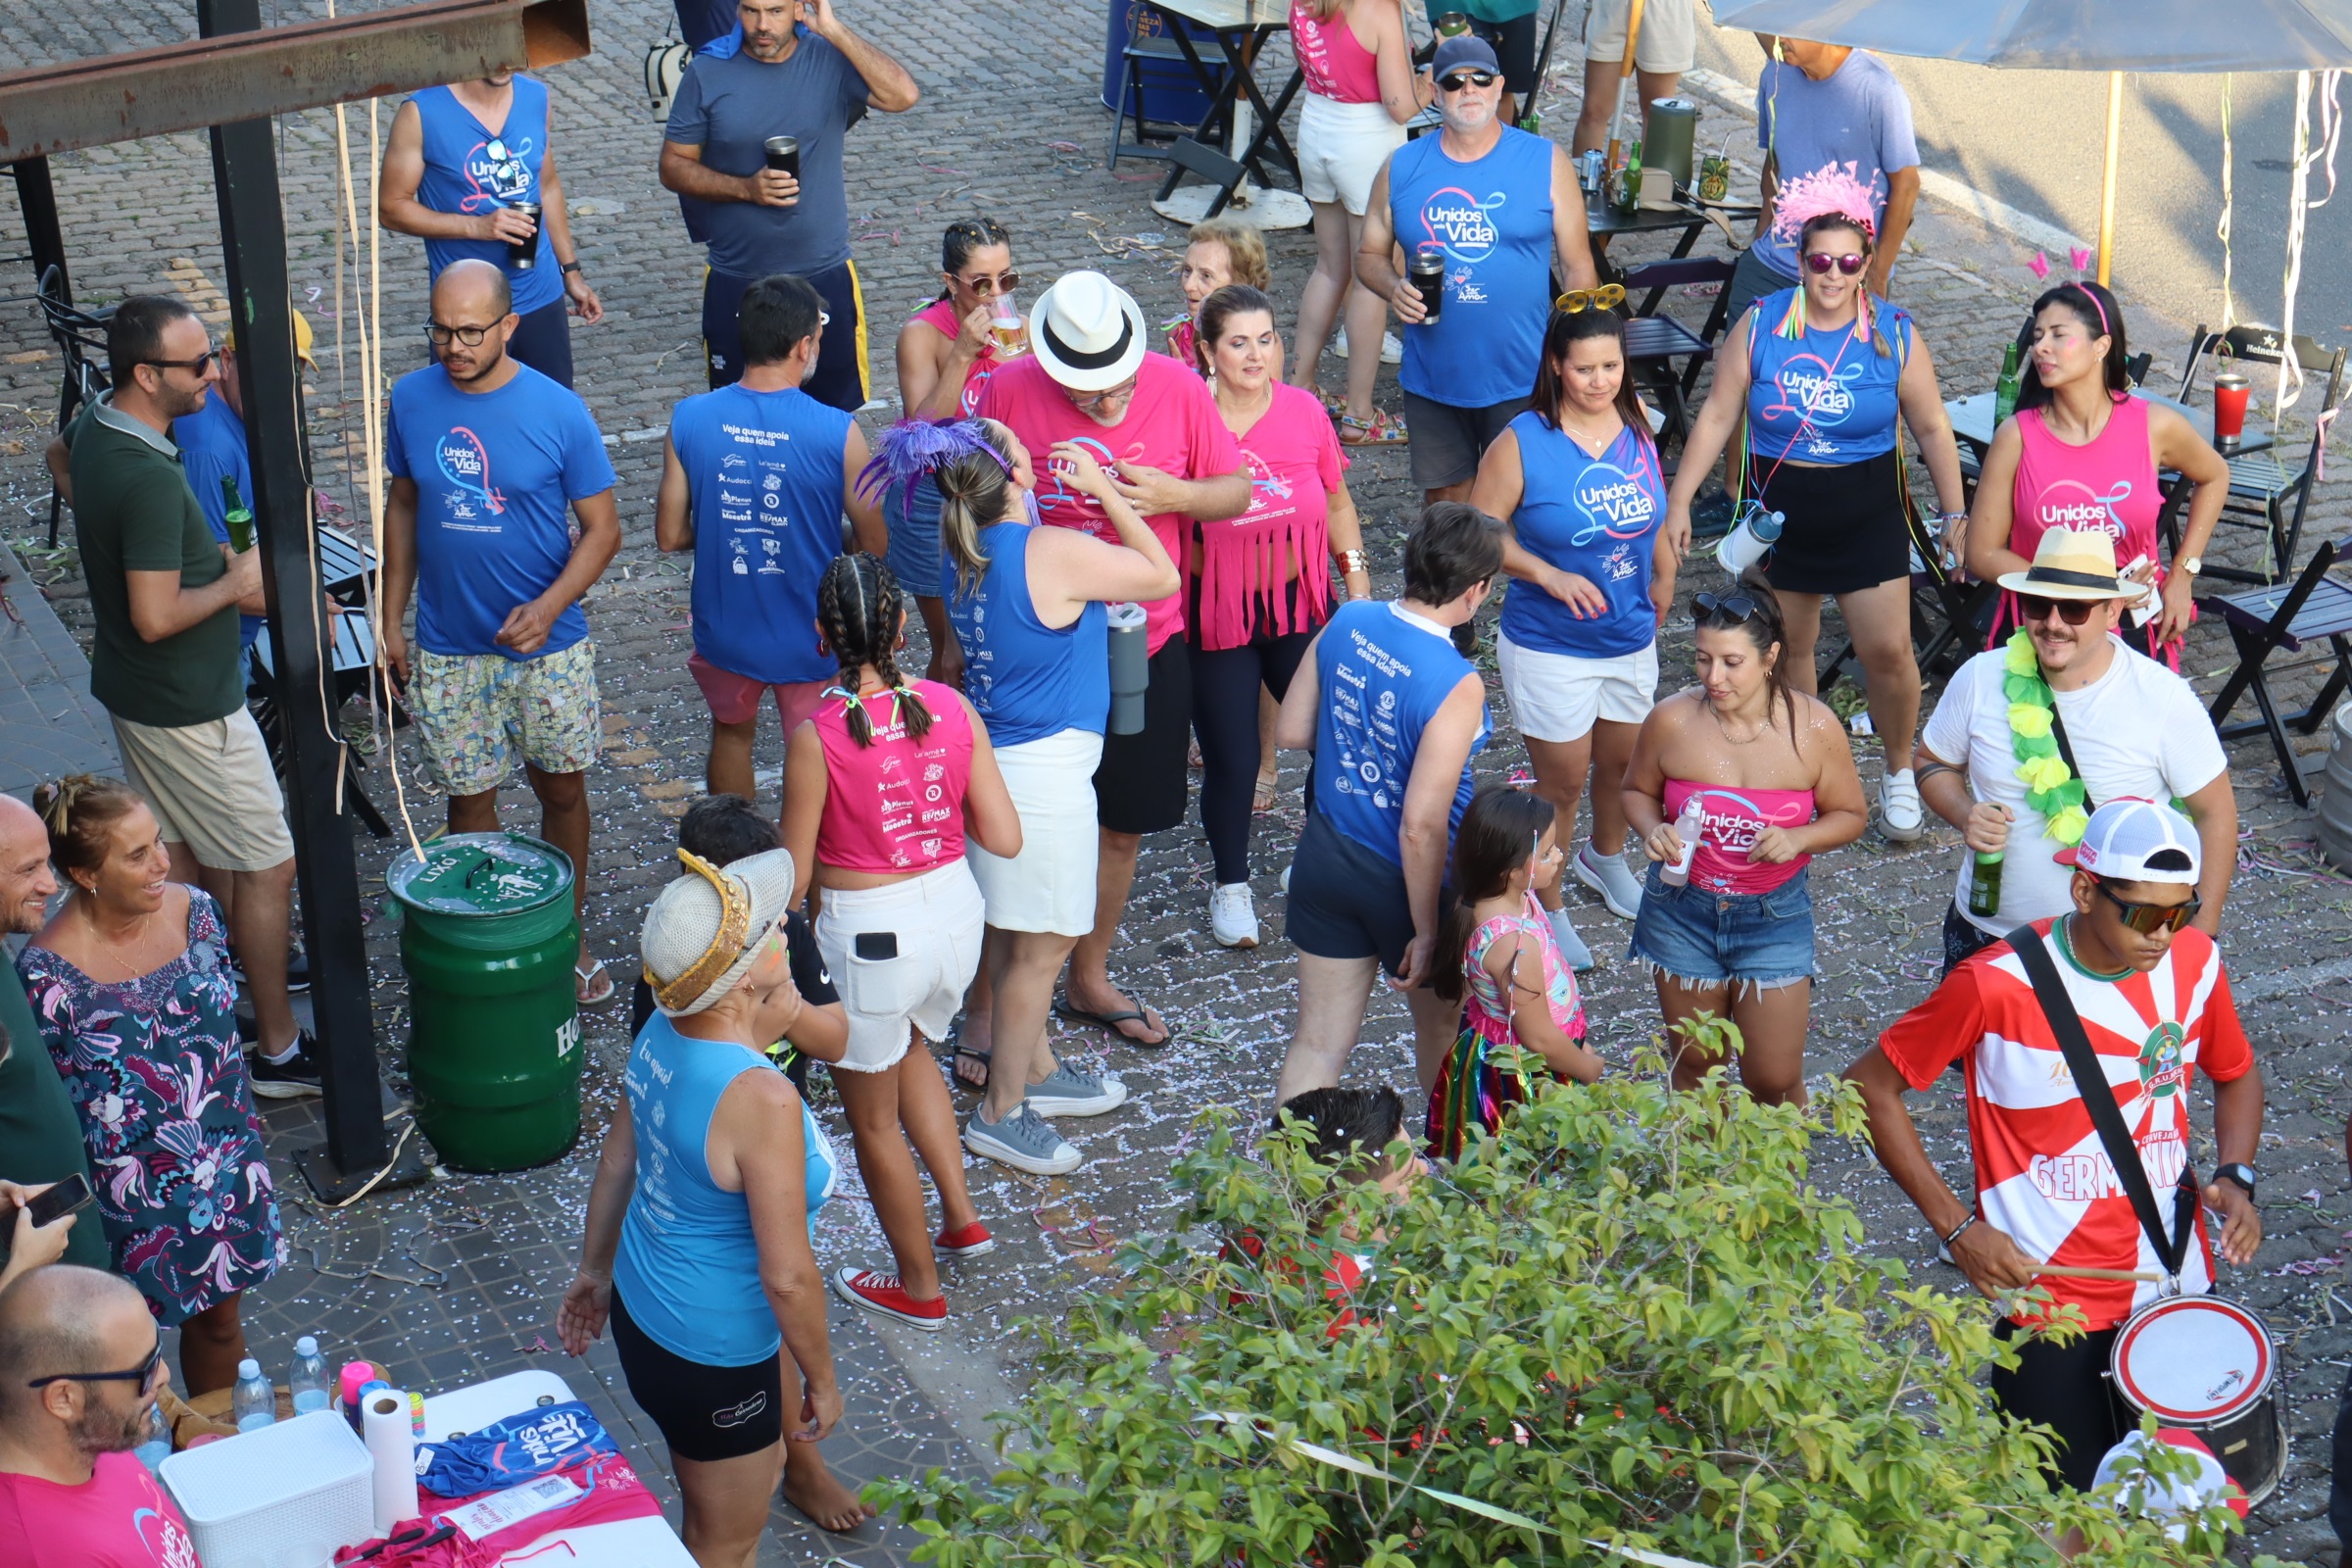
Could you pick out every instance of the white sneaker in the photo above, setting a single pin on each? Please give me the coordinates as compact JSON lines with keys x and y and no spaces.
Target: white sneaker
{"x":1606,"y":875}
{"x":1285,"y":879}
{"x":1233,"y":915}
{"x":1899,"y":815}
{"x":1392,"y":350}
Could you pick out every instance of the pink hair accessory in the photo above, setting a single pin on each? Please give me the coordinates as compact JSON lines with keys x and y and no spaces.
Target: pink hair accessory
{"x":2040,"y":265}
{"x":1834,"y":189}
{"x":2080,"y":258}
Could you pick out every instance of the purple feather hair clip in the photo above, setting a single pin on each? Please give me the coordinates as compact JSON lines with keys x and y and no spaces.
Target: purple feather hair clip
{"x":912,"y":450}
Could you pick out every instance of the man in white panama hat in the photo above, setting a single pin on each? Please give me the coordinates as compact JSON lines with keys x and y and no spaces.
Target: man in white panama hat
{"x":1153,"y":426}
{"x":2064,"y":694}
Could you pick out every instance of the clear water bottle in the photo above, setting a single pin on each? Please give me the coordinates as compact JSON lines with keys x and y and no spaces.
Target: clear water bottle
{"x":306,"y":1377}
{"x":1687,"y":827}
{"x":255,"y":1403}
{"x":156,"y":1445}
{"x":1746,"y":545}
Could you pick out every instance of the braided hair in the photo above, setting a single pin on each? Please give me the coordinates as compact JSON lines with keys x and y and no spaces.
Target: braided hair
{"x":964,"y":236}
{"x":859,"y":608}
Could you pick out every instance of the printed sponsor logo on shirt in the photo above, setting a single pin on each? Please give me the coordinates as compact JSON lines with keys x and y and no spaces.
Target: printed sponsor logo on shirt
{"x":1614,"y":502}
{"x":2071,"y":504}
{"x":497,"y":173}
{"x":1458,"y":220}
{"x":1814,"y":389}
{"x":2163,"y":1062}
{"x":466,"y":463}
{"x":2086,"y":1176}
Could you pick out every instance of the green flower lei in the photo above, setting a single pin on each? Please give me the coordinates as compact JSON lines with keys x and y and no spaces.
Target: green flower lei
{"x":2051,"y":787}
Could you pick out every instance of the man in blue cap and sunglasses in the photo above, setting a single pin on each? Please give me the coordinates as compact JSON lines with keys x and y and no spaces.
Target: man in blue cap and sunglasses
{"x":1495,"y":203}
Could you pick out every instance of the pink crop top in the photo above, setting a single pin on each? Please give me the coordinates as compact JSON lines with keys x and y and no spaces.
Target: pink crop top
{"x":939,"y":316}
{"x":897,"y":805}
{"x":1734,"y":817}
{"x":1333,"y":64}
{"x":2107,"y":485}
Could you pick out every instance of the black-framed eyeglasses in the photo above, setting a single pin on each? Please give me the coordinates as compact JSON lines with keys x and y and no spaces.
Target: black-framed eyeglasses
{"x":470,"y":336}
{"x":200,"y":363}
{"x":1110,"y":394}
{"x":986,"y":287}
{"x":1733,"y":608}
{"x":2032,"y":608}
{"x":1823,"y":261}
{"x":2149,"y":918}
{"x":1607,"y":297}
{"x":143,"y":1374}
{"x":1455,"y":82}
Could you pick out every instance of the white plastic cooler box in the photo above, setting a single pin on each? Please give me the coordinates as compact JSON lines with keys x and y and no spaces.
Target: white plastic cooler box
{"x":286,"y":1496}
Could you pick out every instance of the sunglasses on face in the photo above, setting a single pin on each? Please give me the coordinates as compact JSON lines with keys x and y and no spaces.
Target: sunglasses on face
{"x":1821,"y":261}
{"x":1094,"y":400}
{"x":2035,"y":608}
{"x":1002,"y":283}
{"x":2149,"y":918}
{"x":1468,"y":79}
{"x":143,"y":1374}
{"x":1607,"y":297}
{"x":201,"y":364}
{"x":1736,"y":608}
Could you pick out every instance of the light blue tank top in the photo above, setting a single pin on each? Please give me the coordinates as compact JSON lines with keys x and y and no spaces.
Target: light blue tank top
{"x":1026,"y":679}
{"x":1382,"y":676}
{"x":1494,"y":216}
{"x":688,"y":1265}
{"x":1594,"y":516}
{"x":472,"y":171}
{"x":1827,"y":396}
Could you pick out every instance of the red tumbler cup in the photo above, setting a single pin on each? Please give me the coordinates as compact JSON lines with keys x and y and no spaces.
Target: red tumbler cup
{"x":2229,"y":391}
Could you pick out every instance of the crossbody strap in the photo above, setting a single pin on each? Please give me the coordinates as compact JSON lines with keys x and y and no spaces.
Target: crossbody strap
{"x":2066,"y":749}
{"x":2099,"y":1097}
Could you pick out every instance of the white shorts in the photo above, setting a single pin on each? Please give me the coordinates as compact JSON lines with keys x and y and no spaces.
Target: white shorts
{"x":1342,"y":148}
{"x":933,"y":923}
{"x":1557,"y":697}
{"x":1050,"y":885}
{"x":1669,"y":33}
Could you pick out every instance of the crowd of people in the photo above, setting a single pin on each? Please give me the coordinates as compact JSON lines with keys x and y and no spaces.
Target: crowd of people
{"x":1117,"y":555}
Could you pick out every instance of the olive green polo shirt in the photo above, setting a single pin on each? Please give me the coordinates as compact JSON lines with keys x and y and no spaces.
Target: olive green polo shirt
{"x":134,"y":512}
{"x":40,"y":1135}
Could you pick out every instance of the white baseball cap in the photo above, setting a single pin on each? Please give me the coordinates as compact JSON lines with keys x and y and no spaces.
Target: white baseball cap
{"x":2137,"y":841}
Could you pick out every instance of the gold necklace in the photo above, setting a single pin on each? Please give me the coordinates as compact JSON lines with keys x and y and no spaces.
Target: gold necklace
{"x":136,"y":966}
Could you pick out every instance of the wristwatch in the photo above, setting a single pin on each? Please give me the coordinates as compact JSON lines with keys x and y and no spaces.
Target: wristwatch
{"x":2192,"y":564}
{"x":2241,"y":1175}
{"x":570,"y":267}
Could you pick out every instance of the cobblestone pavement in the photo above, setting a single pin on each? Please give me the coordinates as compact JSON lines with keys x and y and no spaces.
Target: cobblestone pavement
{"x":458,"y":1279}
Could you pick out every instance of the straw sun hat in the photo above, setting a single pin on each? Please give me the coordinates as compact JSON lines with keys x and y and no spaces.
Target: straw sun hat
{"x":705,"y":931}
{"x":1090,"y":333}
{"x":2068,"y":564}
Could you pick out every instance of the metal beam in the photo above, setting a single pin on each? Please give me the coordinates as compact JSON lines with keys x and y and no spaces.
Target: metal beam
{"x":253,"y":237}
{"x":251,"y":72}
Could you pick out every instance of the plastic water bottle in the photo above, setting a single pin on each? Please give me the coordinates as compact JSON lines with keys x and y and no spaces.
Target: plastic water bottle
{"x":1757,"y":531}
{"x":158,"y":1445}
{"x":1687,"y":827}
{"x":306,"y":1377}
{"x":255,"y":1404}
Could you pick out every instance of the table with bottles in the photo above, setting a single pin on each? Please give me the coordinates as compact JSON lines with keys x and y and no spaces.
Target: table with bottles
{"x":1974,"y":424}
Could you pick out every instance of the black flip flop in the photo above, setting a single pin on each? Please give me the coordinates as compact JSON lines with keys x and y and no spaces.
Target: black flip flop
{"x":1112,"y":1020}
{"x":962,"y":1050}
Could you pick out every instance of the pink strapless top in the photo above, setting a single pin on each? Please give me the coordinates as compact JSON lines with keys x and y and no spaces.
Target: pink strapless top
{"x":895,"y":804}
{"x":1732,"y":819}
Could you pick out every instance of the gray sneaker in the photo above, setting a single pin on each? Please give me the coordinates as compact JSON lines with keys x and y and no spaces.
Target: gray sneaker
{"x":1022,"y":1141}
{"x":1069,"y":1093}
{"x":1572,"y":946}
{"x":1606,"y":875}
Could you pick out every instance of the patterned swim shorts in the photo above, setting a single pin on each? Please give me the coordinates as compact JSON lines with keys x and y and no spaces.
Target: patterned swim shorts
{"x":477,"y":710}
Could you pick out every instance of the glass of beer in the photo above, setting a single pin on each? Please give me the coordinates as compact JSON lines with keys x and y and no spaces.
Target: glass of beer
{"x":1005,"y":326}
{"x":1427,"y":273}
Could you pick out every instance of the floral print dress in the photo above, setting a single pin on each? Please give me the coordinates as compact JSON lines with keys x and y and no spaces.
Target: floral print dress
{"x":156,"y":1073}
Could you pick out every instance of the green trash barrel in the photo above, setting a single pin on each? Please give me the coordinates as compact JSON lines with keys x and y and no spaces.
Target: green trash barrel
{"x":488,"y":939}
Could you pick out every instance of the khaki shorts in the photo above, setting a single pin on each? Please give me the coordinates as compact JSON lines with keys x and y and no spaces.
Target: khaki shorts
{"x":212,"y":788}
{"x":1669,"y":38}
{"x":478,"y":712}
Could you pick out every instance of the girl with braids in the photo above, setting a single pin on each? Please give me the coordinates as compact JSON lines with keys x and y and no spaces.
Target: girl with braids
{"x":1819,"y":381}
{"x":1027,"y":603}
{"x":1769,"y":773}
{"x":947,"y":352}
{"x":881,"y":786}
{"x":2082,"y":453}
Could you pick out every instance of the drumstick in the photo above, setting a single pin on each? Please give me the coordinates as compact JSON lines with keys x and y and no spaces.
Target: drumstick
{"x":2053,"y":1270}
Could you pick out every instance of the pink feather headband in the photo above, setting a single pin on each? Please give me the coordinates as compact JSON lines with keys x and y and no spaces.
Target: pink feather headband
{"x":1834,"y":189}
{"x":912,"y":450}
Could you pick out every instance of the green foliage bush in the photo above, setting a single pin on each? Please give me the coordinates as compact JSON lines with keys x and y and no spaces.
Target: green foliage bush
{"x":1632,"y":1319}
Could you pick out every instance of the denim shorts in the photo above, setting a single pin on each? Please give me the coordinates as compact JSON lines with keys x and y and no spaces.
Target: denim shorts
{"x":1703,"y":938}
{"x":913,"y":553}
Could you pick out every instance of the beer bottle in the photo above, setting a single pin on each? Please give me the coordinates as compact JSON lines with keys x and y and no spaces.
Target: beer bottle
{"x":238,"y":517}
{"x":2004,"y":390}
{"x":1985,"y":885}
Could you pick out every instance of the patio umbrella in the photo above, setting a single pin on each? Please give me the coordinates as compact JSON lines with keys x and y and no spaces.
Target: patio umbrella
{"x":2110,"y":35}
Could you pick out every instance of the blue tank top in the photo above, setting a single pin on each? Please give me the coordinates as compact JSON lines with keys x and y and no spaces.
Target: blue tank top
{"x":763,"y":474}
{"x":1494,"y":216}
{"x":1597,"y":518}
{"x":1828,"y":397}
{"x":1026,"y":679}
{"x":688,"y":1265}
{"x":1383,"y":675}
{"x":470,"y":169}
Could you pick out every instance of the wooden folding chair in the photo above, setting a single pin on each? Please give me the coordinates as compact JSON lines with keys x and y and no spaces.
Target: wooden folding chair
{"x":2265,"y":491}
{"x":2316,"y":606}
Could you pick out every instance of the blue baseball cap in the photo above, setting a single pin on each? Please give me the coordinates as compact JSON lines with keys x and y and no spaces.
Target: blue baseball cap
{"x":1468,"y":50}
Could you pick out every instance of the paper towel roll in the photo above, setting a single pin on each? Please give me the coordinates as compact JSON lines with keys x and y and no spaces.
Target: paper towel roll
{"x":392,"y":1446}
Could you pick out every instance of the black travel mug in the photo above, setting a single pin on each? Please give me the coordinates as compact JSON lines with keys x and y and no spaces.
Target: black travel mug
{"x":523,"y":254}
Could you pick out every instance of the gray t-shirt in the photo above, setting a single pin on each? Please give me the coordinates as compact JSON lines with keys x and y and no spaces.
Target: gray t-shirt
{"x":1859,"y":115}
{"x":729,"y":107}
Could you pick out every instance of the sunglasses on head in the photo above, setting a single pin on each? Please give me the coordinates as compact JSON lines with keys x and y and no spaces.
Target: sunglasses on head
{"x":1733,"y":608}
{"x":1823,"y":261}
{"x":2033,"y":607}
{"x":1457,"y":81}
{"x":1607,"y":297}
{"x":2149,"y":918}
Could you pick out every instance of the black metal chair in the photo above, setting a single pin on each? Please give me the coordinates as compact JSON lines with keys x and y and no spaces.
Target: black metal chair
{"x":2316,"y":606}
{"x":81,"y":337}
{"x":1148,"y":43}
{"x":2265,"y":491}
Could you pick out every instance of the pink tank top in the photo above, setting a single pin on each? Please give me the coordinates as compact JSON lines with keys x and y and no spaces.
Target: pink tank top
{"x":941,"y":315}
{"x":1333,"y":64}
{"x":1732,"y":819}
{"x":897,"y":805}
{"x":2107,"y":485}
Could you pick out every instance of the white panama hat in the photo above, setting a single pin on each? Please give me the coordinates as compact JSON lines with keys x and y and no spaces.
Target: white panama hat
{"x":1089,"y":332}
